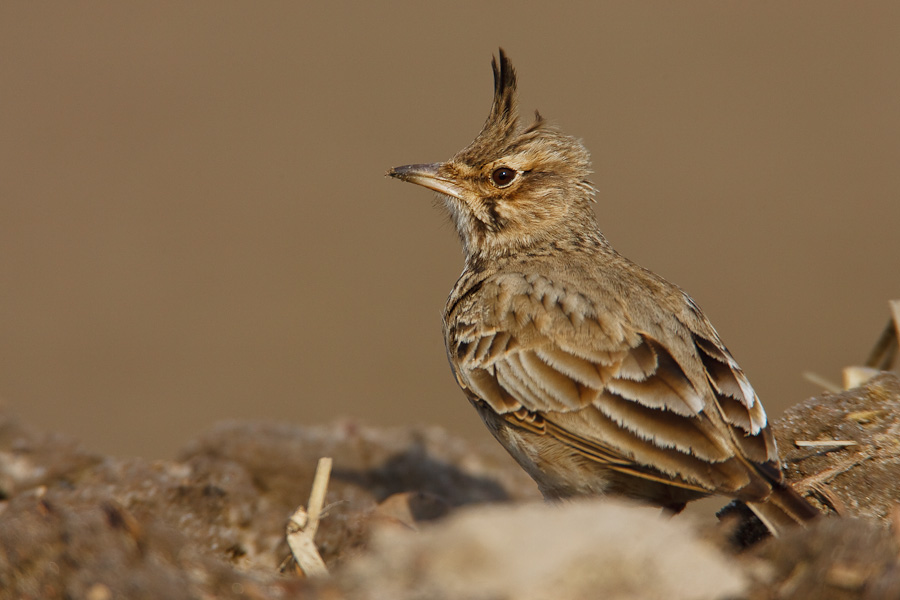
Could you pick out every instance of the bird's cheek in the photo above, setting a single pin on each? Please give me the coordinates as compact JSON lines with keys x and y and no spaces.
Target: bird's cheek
{"x":521,"y":213}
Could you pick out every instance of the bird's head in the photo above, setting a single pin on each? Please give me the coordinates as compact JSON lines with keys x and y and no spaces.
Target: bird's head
{"x":514,"y":188}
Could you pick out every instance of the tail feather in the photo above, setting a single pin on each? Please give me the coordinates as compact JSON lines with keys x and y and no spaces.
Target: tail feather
{"x":784,"y":509}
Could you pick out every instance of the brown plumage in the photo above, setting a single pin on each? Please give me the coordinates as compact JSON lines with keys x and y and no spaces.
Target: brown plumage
{"x":597,"y":375}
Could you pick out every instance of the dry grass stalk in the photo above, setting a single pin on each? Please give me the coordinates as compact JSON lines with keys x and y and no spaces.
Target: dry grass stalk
{"x":827,"y":443}
{"x":303,"y":524}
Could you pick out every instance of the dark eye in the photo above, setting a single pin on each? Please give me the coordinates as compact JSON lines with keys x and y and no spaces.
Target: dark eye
{"x":503,"y":176}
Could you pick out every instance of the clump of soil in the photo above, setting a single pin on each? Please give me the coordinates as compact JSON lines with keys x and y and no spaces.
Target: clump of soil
{"x":418,"y":513}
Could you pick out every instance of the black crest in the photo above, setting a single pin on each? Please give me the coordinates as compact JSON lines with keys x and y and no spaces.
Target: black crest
{"x":504,"y":111}
{"x":502,"y":123}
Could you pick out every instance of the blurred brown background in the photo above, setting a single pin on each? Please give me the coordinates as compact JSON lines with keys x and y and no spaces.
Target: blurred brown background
{"x":195,"y":225}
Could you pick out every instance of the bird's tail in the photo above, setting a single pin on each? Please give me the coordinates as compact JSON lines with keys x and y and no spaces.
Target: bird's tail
{"x":784,"y":509}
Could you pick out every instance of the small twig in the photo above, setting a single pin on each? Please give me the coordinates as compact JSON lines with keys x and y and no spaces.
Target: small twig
{"x":304,"y":523}
{"x":857,"y":376}
{"x":818,"y":443}
{"x":325,"y":510}
{"x":317,"y":494}
{"x":828,"y":498}
{"x":828,"y":475}
{"x":884,"y":354}
{"x":883,"y":357}
{"x":825,"y":384}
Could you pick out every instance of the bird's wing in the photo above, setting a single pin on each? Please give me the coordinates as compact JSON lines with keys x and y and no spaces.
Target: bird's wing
{"x":548,"y":362}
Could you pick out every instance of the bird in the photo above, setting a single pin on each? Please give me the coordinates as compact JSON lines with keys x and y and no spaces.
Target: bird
{"x":597,"y":375}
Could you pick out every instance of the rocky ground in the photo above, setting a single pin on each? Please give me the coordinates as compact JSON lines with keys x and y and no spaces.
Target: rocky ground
{"x":418,"y":513}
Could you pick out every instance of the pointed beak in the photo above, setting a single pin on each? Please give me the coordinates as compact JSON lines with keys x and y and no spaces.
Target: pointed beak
{"x":427,"y":176}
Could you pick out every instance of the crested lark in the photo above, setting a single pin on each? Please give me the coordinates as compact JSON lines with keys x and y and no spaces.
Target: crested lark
{"x":597,"y":375}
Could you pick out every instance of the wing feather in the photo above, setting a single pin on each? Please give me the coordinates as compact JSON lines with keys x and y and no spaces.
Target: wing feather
{"x":581,"y":370}
{"x":614,"y":394}
{"x":737,"y":402}
{"x":562,"y":388}
{"x":509,"y":376}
